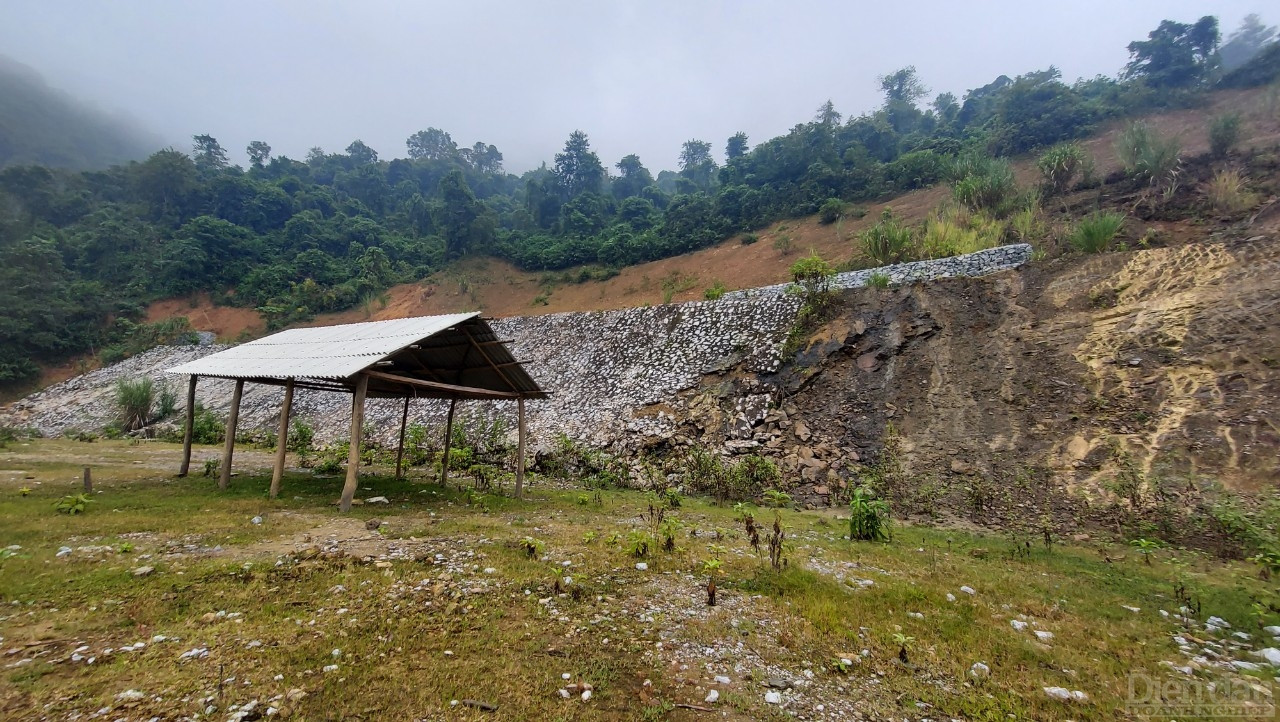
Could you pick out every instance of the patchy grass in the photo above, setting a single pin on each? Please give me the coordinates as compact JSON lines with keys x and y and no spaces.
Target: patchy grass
{"x":442,"y":603}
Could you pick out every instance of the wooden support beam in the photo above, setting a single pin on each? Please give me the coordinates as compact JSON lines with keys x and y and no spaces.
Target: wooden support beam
{"x":488,"y":360}
{"x":357,"y":430}
{"x":282,"y":439}
{"x":233,"y":418}
{"x":520,"y":450}
{"x":448,"y":441}
{"x":404,"y":423}
{"x":189,"y":428}
{"x":472,"y":391}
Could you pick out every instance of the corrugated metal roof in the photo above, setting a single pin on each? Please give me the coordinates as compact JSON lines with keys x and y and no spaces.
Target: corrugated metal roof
{"x":326,"y":352}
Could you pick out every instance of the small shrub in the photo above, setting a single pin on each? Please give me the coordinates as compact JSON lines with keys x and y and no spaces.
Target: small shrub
{"x":73,"y":504}
{"x":1227,"y":193}
{"x":812,"y":274}
{"x":782,"y":244}
{"x":300,"y":437}
{"x":777,"y":544}
{"x":956,"y":233}
{"x":987,"y":184}
{"x":748,"y":238}
{"x":1096,"y":231}
{"x":868,"y":517}
{"x":134,"y":399}
{"x":888,"y":241}
{"x":1059,"y":166}
{"x":211,"y":467}
{"x":1145,"y":547}
{"x":830,"y":211}
{"x":1224,"y":133}
{"x":1028,"y":224}
{"x":716,"y":292}
{"x":1146,"y":155}
{"x":878,"y":280}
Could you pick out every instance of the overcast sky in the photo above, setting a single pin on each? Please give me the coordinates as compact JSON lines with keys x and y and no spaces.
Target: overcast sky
{"x":638,"y":77}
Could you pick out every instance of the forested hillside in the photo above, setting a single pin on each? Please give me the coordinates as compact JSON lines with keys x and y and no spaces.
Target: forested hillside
{"x":81,"y":253}
{"x":41,"y":125}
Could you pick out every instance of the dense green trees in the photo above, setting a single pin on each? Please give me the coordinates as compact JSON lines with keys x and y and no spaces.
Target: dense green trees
{"x":295,"y":238}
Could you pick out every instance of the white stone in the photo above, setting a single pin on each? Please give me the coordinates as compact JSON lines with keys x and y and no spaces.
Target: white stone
{"x":968,"y":590}
{"x":641,"y":566}
{"x":951,"y":597}
{"x":1217,"y":623}
{"x":330,"y":668}
{"x":130,"y":695}
{"x":1043,"y":635}
{"x":712,"y":697}
{"x":721,"y":679}
{"x":377,"y":500}
{"x":979,"y":671}
{"x":256,"y":520}
{"x":1271,"y":654}
{"x":1018,"y":624}
{"x":586,"y":695}
{"x":773,"y":698}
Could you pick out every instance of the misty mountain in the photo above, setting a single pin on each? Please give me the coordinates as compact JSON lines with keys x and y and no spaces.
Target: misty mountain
{"x":43,"y":125}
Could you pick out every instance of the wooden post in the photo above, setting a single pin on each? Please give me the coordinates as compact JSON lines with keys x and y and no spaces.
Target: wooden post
{"x":88,"y":481}
{"x":282,"y":439}
{"x":233,"y":418}
{"x":520,"y":449}
{"x":357,"y":430}
{"x":404,"y":422}
{"x":448,"y":441}
{"x":190,"y":427}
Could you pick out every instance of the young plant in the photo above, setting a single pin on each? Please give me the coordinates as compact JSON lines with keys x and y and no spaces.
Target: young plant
{"x":639,"y":544}
{"x":868,"y":516}
{"x":904,"y":643}
{"x":878,"y":280}
{"x":888,"y":241}
{"x":532,"y":547}
{"x":1146,"y":547}
{"x":776,"y":542}
{"x":775,"y":498}
{"x":667,"y":532}
{"x":24,"y":491}
{"x":1227,"y":192}
{"x":588,"y":537}
{"x":749,"y":524}
{"x":73,"y":504}
{"x":1268,"y":564}
{"x":711,"y":568}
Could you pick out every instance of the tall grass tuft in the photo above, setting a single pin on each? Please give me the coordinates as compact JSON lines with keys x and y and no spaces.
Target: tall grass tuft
{"x":888,"y":241}
{"x":1224,"y":133}
{"x":868,"y":517}
{"x":134,"y":398}
{"x":1059,"y":166}
{"x":1096,"y":231}
{"x":1147,"y":155}
{"x":987,"y":185}
{"x":1227,"y":192}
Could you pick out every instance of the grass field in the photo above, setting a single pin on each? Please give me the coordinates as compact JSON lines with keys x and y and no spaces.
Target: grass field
{"x":458,"y":600}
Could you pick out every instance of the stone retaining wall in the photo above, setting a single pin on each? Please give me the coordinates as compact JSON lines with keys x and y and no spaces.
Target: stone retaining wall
{"x":610,"y":372}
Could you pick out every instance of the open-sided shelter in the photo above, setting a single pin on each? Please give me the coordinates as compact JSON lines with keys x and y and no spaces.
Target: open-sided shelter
{"x":452,"y":357}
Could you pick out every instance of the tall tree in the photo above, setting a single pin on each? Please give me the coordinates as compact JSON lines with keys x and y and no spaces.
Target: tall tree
{"x":431,"y":144}
{"x":209,"y":154}
{"x":696,"y":163}
{"x":946,"y":107}
{"x":361,"y":154}
{"x":827,"y":115}
{"x":633,"y":178}
{"x":736,"y":147}
{"x":1246,"y":42}
{"x":259,"y":153}
{"x":459,"y":216}
{"x":1175,"y":55}
{"x":483,"y":158}
{"x":902,"y":89}
{"x":578,"y":170}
